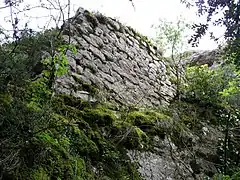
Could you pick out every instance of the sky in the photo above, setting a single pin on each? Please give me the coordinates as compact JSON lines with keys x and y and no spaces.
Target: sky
{"x":141,"y":17}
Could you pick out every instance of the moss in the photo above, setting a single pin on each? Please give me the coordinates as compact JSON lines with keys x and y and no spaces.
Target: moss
{"x":6,"y":99}
{"x":81,"y":138}
{"x":149,"y":121}
{"x":136,"y":129}
{"x":70,"y":101}
{"x":80,"y":170}
{"x":82,"y":144}
{"x":67,"y":139}
{"x":40,"y":174}
{"x":58,"y":162}
{"x":137,"y":140}
{"x":92,"y":89}
{"x":100,"y":116}
{"x":89,"y":137}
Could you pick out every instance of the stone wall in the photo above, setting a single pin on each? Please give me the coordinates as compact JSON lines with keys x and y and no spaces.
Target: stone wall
{"x":114,"y":63}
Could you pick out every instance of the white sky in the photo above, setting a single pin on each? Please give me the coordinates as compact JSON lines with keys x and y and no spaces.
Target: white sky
{"x":142,"y":17}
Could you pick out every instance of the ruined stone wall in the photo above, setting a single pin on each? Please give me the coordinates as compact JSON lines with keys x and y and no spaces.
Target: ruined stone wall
{"x":116,"y":61}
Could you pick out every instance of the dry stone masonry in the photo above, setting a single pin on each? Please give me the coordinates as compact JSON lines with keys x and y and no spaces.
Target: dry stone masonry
{"x":113,"y":63}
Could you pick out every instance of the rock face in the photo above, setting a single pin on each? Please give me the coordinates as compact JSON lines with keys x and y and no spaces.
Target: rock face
{"x":211,"y":58}
{"x":169,"y":161}
{"x":114,"y":60}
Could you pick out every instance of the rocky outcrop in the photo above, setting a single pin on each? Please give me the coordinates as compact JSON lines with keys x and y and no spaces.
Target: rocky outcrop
{"x":210,"y":57}
{"x":195,"y":160}
{"x":113,"y":63}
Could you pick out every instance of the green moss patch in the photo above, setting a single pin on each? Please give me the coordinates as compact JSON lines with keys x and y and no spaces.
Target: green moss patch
{"x":78,"y":140}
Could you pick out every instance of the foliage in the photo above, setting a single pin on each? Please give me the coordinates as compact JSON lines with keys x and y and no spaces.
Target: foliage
{"x":212,"y":96}
{"x":218,"y":90}
{"x":210,"y":9}
{"x":171,"y":36}
{"x":203,"y":83}
{"x":20,"y":61}
{"x":232,"y":51}
{"x":58,"y":137}
{"x":211,"y":85}
{"x":235,"y":176}
{"x":48,"y":136}
{"x":62,"y":137}
{"x":222,"y":14}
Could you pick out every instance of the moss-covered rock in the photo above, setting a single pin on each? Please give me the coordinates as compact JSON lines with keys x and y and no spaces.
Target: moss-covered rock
{"x":75,"y":139}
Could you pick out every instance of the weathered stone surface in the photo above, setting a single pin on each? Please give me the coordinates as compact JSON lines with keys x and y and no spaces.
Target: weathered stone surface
{"x":72,"y":63}
{"x":82,"y":43}
{"x":156,"y":167}
{"x":84,"y":95}
{"x":211,"y":58}
{"x":168,"y":161}
{"x":111,"y":57}
{"x":97,"y":53}
{"x":79,"y":69}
